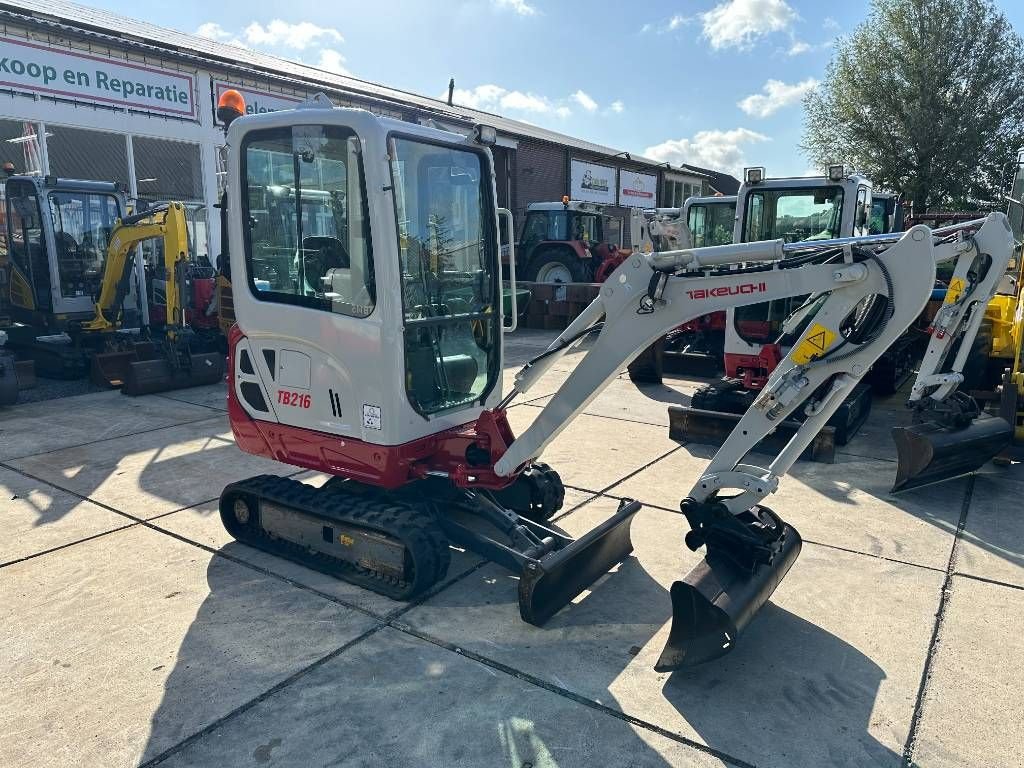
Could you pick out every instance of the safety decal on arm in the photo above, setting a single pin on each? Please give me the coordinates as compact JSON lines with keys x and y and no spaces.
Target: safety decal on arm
{"x":816,"y":341}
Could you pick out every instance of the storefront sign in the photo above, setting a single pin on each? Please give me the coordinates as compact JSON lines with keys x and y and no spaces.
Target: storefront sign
{"x":593,"y":183}
{"x":637,"y":190}
{"x":41,"y":69}
{"x":256,"y":102}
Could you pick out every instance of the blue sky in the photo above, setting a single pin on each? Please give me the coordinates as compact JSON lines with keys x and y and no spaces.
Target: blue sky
{"x":709,"y":82}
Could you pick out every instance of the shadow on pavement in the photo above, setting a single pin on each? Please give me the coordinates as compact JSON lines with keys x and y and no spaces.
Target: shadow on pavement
{"x":788,"y":679}
{"x":390,"y":699}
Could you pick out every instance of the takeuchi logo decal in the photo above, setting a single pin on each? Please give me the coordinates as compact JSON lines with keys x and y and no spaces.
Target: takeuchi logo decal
{"x":727,"y":290}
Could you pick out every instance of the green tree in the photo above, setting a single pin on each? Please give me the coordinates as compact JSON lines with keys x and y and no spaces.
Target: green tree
{"x":927,"y":98}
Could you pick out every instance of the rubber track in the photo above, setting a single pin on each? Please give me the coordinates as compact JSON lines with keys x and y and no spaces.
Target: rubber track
{"x":425,"y":543}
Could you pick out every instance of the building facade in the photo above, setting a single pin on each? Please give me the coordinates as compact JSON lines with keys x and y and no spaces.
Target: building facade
{"x":87,"y":94}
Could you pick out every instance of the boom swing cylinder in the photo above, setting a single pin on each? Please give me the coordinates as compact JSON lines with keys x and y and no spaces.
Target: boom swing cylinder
{"x":370,"y":349}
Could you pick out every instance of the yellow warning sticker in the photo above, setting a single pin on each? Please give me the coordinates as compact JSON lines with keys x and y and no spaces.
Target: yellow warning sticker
{"x":816,"y":341}
{"x":956,"y":287}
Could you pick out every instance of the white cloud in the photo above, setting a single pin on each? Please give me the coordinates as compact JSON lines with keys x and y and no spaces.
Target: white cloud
{"x":798,"y":47}
{"x":332,"y":61}
{"x":831,"y":24}
{"x":718,"y":150}
{"x":777,"y":95}
{"x":563,"y":112}
{"x":298,"y":36}
{"x":738,"y":23}
{"x":584,"y":100}
{"x":671,"y":25}
{"x":211,"y":30}
{"x":519,"y":6}
{"x":617,"y":107}
{"x":494,"y":98}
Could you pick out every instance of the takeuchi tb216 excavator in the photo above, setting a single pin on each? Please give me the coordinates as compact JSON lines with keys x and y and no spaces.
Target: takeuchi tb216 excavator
{"x":372,"y":351}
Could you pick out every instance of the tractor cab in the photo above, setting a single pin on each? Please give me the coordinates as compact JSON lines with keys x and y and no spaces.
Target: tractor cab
{"x":710,"y":219}
{"x":563,"y":242}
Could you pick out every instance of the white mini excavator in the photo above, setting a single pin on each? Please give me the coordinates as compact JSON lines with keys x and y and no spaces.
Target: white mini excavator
{"x":368,"y":345}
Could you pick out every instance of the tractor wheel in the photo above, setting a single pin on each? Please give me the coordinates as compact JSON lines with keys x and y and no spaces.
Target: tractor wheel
{"x":557,"y":267}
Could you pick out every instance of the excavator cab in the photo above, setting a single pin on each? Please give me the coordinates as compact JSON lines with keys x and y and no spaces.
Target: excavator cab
{"x":58,"y":231}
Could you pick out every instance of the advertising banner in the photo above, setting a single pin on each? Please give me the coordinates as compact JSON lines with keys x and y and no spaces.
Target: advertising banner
{"x":256,"y":102}
{"x":637,"y":190}
{"x":82,"y":76}
{"x":591,"y":182}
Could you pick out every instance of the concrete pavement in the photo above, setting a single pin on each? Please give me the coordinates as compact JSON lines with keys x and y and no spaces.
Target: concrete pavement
{"x":137,"y":633}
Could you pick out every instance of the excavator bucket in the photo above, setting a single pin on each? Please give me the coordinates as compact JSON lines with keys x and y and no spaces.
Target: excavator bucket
{"x":715,"y":602}
{"x":146,"y":377}
{"x":110,"y":369}
{"x":548,"y":584}
{"x":930,"y":453}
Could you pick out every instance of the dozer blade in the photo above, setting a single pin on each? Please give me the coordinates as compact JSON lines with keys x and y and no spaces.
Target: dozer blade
{"x":149,"y":376}
{"x":713,"y":604}
{"x":930,"y":453}
{"x":548,"y":584}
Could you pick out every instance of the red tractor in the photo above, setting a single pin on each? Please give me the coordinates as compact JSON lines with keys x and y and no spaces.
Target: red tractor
{"x":565,"y":243}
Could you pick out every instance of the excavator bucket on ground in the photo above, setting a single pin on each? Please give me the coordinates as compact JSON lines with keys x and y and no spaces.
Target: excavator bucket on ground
{"x":110,"y":368}
{"x":930,"y":453}
{"x":146,"y":377}
{"x":715,"y":601}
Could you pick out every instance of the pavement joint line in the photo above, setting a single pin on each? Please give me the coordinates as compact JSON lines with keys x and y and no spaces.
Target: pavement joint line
{"x":862,"y":456}
{"x":850,"y":550}
{"x":532,"y":404}
{"x":381,"y":621}
{"x":59,"y":547}
{"x":189,"y":402}
{"x":936,"y":638}
{"x":986,"y":580}
{"x":241,"y":709}
{"x":107,"y":439}
{"x":568,"y":694}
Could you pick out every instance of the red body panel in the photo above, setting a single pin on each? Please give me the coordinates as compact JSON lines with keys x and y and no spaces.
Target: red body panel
{"x":385,"y":466}
{"x":754,"y":370}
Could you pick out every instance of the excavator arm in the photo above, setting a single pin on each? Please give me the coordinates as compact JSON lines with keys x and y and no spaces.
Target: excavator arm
{"x":871,"y":291}
{"x":166,"y":222}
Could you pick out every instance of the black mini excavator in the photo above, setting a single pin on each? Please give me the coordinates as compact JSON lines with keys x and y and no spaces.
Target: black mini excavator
{"x":366,"y":278}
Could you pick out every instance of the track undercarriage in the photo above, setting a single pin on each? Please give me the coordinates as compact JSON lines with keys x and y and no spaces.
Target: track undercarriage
{"x":396,"y":543}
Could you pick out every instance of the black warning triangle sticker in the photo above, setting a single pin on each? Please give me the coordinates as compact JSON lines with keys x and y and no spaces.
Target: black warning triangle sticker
{"x":817,"y":340}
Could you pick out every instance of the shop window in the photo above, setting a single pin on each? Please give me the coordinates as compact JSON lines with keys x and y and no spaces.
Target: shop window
{"x":19,"y":145}
{"x":76,"y":153}
{"x":167,"y":170}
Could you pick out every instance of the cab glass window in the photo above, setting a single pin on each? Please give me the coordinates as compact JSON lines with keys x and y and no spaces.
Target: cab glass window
{"x":82,"y":223}
{"x":793,"y":214}
{"x":27,"y":247}
{"x":308,"y":236}
{"x":446,"y":242}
